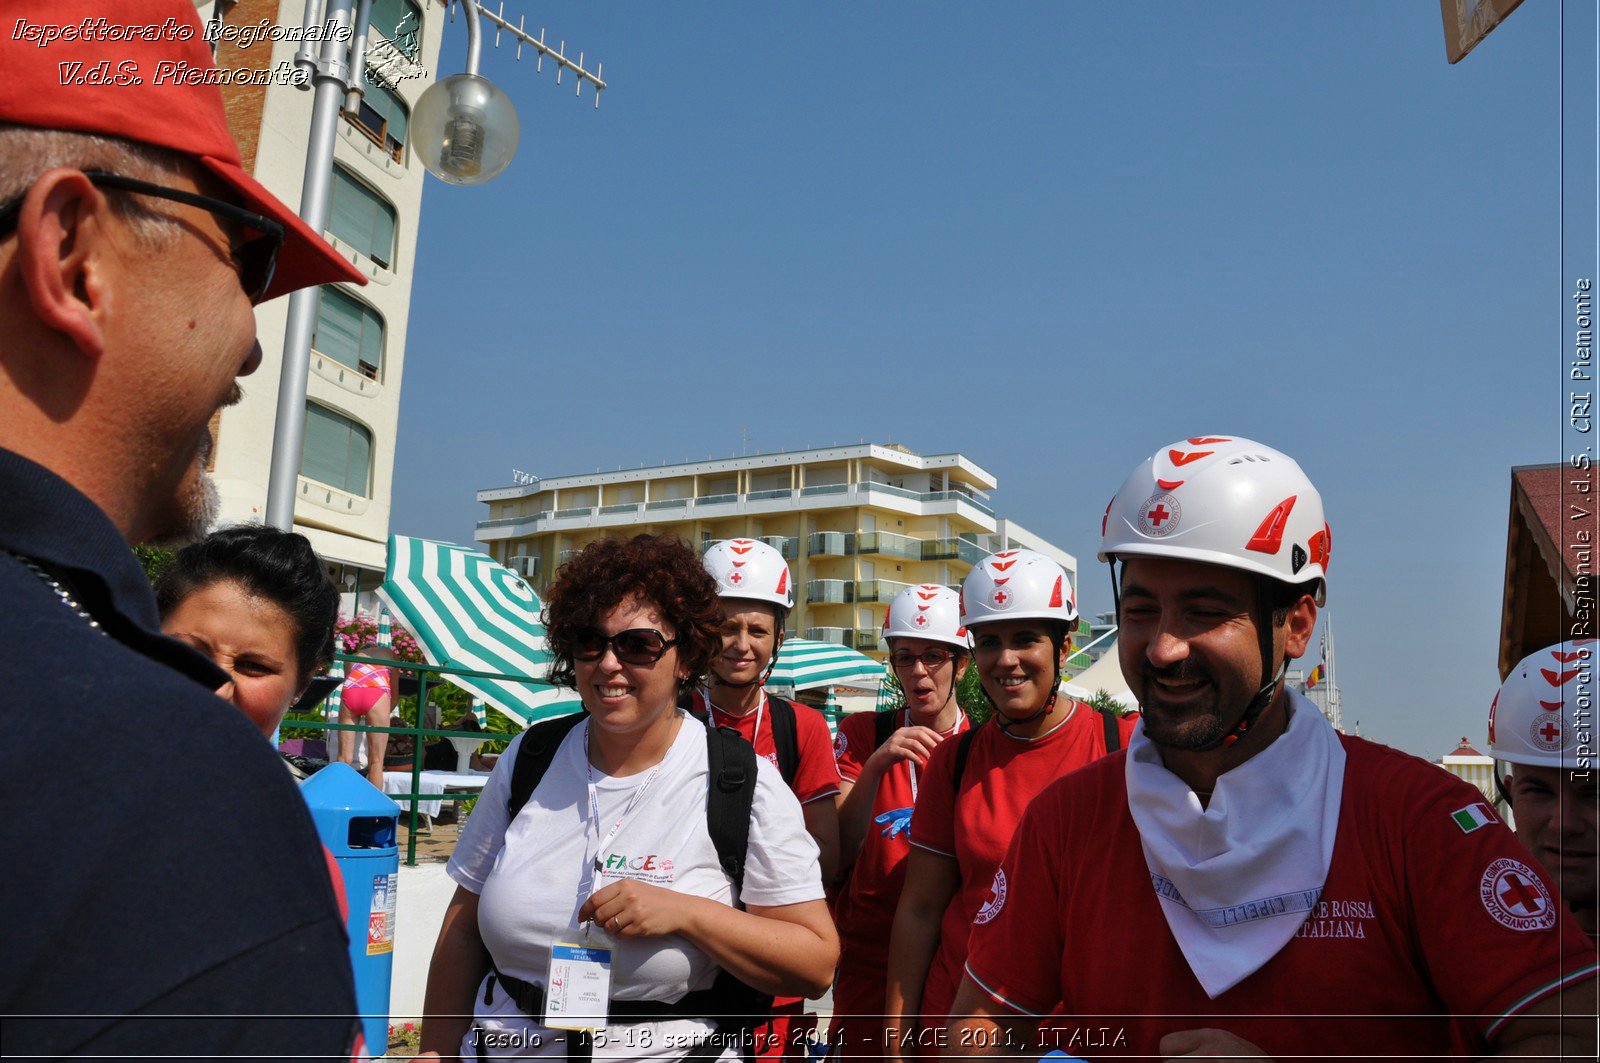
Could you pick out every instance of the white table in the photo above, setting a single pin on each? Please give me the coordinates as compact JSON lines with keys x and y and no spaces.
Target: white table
{"x":432,"y":782}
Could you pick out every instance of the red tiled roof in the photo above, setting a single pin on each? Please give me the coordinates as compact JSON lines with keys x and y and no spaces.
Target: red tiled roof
{"x":1464,"y":750}
{"x":1542,"y":484}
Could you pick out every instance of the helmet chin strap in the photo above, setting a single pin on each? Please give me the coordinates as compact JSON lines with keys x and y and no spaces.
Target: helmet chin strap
{"x":1008,"y":722}
{"x":1272,"y":674}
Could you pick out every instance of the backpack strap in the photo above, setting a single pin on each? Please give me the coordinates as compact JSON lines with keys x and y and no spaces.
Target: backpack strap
{"x":534,"y":755}
{"x":786,"y":738}
{"x":1113,"y":733}
{"x":883,"y":726}
{"x":730,"y":795}
{"x":963,"y":748}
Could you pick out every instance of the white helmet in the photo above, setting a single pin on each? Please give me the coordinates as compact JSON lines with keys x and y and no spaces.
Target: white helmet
{"x":750,"y":569}
{"x":927,"y":612}
{"x":1017,"y":585}
{"x":1535,"y":716}
{"x":1224,"y":501}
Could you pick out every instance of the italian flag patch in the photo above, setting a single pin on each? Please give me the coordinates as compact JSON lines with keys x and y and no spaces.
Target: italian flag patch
{"x":1472,"y":817}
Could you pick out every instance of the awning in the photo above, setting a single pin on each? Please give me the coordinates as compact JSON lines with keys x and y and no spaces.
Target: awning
{"x":1104,"y":674}
{"x":469,"y":611}
{"x":804,"y":664}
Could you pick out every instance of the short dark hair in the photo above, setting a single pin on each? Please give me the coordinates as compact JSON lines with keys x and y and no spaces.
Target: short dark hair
{"x":660,"y":569}
{"x":278,"y":566}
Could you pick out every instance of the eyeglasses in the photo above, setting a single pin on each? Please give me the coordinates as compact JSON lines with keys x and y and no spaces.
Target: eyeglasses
{"x":256,"y":253}
{"x":905,"y":660}
{"x":637,"y":645}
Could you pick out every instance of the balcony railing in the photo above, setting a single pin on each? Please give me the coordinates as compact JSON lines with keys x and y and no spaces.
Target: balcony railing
{"x":827,"y":591}
{"x":829,"y":544}
{"x":868,"y":639}
{"x":503,"y":522}
{"x":952,"y":550}
{"x":842,"y":636}
{"x":888,"y":544}
{"x":575,"y":511}
{"x":877,"y":590}
{"x":715,"y":500}
{"x":758,"y":496}
{"x":787,"y":545}
{"x":668,"y":503}
{"x":825,"y":489}
{"x":620,"y":507}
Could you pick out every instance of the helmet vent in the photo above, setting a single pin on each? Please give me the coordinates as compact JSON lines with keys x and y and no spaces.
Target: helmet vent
{"x":1248,"y":457}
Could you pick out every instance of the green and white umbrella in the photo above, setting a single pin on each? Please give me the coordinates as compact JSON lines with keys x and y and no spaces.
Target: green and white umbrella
{"x":470,"y":611}
{"x":803,"y":664}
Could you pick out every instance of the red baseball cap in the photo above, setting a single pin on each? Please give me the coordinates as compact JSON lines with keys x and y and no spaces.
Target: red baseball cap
{"x":149,"y":89}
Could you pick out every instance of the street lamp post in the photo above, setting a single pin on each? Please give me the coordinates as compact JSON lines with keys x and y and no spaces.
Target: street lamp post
{"x":464,"y":131}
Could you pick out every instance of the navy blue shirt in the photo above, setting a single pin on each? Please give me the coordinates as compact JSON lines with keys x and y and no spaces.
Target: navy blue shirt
{"x":159,"y":859}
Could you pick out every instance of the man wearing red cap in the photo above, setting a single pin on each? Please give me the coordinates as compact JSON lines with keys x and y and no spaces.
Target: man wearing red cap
{"x":165,"y":890}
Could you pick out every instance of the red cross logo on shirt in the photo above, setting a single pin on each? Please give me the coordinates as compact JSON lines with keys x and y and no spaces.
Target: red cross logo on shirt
{"x":1158,"y":514}
{"x":1518,"y":895}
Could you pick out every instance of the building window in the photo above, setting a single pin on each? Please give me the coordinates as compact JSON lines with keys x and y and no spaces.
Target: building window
{"x":362,"y":218}
{"x":350,"y":332}
{"x":401,"y":22}
{"x":382,"y":116}
{"x":338,"y":451}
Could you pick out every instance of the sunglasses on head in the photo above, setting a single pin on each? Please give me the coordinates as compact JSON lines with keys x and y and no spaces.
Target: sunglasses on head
{"x":260,"y":238}
{"x":637,"y":645}
{"x":905,"y":660}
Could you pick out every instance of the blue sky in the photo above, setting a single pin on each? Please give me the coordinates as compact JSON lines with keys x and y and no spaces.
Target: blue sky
{"x":1052,"y":236}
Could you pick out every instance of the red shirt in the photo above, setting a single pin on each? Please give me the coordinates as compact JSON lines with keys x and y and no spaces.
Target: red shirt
{"x":815,"y":777}
{"x":1002,"y":775}
{"x":1419,"y":921}
{"x":865,"y":912}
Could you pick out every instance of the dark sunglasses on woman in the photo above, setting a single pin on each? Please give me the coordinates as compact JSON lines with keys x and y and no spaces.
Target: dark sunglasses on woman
{"x":637,"y":645}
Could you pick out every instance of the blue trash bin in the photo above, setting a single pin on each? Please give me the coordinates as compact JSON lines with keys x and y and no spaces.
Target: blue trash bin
{"x":357,"y":824}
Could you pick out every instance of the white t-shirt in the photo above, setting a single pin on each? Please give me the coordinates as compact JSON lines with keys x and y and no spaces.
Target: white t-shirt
{"x":531,"y":877}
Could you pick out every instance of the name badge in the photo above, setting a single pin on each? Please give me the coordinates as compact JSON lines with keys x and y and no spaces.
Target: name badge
{"x":577,"y":993}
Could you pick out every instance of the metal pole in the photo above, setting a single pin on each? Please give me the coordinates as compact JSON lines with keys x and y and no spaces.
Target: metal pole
{"x":331,"y":79}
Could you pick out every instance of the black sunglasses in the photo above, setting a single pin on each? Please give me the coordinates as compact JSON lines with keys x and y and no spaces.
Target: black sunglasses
{"x":256,"y":254}
{"x":637,"y":645}
{"x":905,"y":660}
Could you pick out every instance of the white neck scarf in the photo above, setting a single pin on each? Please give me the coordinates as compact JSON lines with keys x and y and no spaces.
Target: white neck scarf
{"x":1237,"y":877}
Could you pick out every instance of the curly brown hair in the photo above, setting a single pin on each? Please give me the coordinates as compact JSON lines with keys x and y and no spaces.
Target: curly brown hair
{"x":662,"y":570}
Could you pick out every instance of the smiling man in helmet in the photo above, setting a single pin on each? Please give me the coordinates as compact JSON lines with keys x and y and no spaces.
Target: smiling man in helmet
{"x":1286,"y":890}
{"x":1542,"y":726}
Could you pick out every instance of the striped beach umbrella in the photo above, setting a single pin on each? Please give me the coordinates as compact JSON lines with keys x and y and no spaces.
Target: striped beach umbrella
{"x":803,"y":664}
{"x":385,"y":631}
{"x":470,"y":611}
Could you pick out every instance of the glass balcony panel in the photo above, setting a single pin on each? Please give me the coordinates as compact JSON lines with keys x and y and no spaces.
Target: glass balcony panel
{"x":827,"y":591}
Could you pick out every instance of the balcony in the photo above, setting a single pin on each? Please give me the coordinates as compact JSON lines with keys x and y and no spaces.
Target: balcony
{"x":787,"y":545}
{"x":824,"y":489}
{"x":566,"y":555}
{"x":890,"y":545}
{"x":667,"y":503}
{"x":829,"y":544}
{"x":839,"y":636}
{"x":868,"y":640}
{"x":952,"y":550}
{"x":877,"y":590}
{"x":524,"y":565}
{"x":827,"y":592}
{"x":761,"y":496}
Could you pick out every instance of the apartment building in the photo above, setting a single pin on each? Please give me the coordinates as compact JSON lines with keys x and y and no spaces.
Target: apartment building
{"x":857,"y":524}
{"x":343,"y":493}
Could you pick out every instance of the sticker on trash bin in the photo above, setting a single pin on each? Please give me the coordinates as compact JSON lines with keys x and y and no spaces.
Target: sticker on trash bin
{"x":380,"y":917}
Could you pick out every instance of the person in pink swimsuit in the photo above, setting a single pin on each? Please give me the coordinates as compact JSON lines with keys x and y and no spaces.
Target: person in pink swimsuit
{"x":367,"y":694}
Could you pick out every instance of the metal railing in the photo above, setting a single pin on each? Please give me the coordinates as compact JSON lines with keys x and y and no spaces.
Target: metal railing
{"x":877,"y":590}
{"x":667,"y":503}
{"x":827,"y":591}
{"x":889,"y":544}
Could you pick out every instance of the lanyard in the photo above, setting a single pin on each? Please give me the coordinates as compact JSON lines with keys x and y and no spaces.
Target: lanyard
{"x":596,"y":871}
{"x":912,"y":764}
{"x":712,"y":711}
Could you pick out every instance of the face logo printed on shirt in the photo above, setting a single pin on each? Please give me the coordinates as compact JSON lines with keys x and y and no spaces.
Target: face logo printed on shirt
{"x":1160,"y":515}
{"x":1514,"y":896}
{"x":841,"y":746}
{"x":1545,"y":731}
{"x":996,"y":901}
{"x":652,"y":868}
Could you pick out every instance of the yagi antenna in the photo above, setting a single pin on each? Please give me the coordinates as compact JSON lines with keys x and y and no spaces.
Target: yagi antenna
{"x":558,"y":54}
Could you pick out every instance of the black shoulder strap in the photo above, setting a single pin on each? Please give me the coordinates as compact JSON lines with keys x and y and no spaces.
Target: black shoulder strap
{"x":538,"y":749}
{"x":963,"y":747}
{"x":883,"y":727}
{"x":1113,"y":735}
{"x":730,"y":794}
{"x":785,"y":738}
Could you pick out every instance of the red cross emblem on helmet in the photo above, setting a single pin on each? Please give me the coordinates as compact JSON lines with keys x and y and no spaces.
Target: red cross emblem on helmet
{"x":736,"y":577}
{"x":921,"y":620}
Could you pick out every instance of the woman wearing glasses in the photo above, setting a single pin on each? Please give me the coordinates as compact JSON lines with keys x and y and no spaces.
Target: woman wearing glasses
{"x":882,"y":760}
{"x":607,"y":881}
{"x":1019,"y":609}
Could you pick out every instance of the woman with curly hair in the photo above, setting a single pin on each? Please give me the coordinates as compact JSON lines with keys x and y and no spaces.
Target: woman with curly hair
{"x":610,"y":856}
